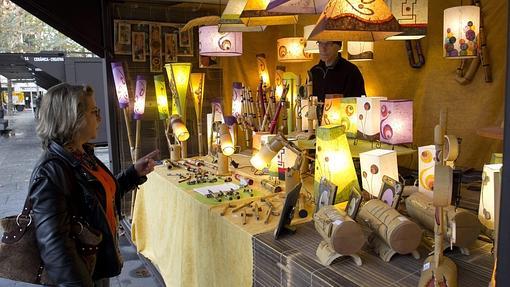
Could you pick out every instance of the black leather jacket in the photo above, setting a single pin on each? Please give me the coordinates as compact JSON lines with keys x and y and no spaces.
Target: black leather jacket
{"x":51,"y":187}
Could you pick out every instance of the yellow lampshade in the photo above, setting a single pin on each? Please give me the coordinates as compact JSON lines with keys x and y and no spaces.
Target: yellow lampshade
{"x":360,"y":51}
{"x":333,"y":161}
{"x":263,"y":69}
{"x":355,"y":20}
{"x":460,"y":32}
{"x":226,"y":144}
{"x":255,"y":14}
{"x":294,"y":82}
{"x":197,"y":81}
{"x":412,"y":17}
{"x":161,"y":97}
{"x":278,"y":82}
{"x":219,"y":44}
{"x":331,"y":110}
{"x":178,"y":77}
{"x":263,"y":158}
{"x":292,"y":50}
{"x":340,"y":111}
{"x":230,"y":20}
{"x":179,"y":128}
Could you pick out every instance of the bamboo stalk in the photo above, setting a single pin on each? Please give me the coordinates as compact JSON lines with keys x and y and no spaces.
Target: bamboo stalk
{"x":129,"y":134}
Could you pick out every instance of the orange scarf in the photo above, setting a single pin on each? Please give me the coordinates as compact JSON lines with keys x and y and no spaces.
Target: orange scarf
{"x":108,"y":183}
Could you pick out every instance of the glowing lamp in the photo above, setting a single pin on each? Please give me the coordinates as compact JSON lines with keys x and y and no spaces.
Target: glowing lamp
{"x":255,"y":14}
{"x":263,"y":69}
{"x":257,"y":140}
{"x":396,"y":121}
{"x":360,"y":51}
{"x":348,"y":116}
{"x":292,"y":50}
{"x":374,"y":165}
{"x":213,"y":43}
{"x":197,"y":81}
{"x":297,"y":6}
{"x":278,"y":82}
{"x":178,"y":77}
{"x":331,"y":110}
{"x":412,"y":17}
{"x":179,"y":128}
{"x":355,"y":20}
{"x":426,"y":164}
{"x":230,"y":20}
{"x":139,"y":107}
{"x":120,"y":85}
{"x":369,"y":117}
{"x":161,"y":97}
{"x":333,"y":161}
{"x":226,"y":144}
{"x":460,"y":32}
{"x":237,"y":99}
{"x":294,"y":82}
{"x":489,"y":195}
{"x":264,"y":157}
{"x":218,"y":111}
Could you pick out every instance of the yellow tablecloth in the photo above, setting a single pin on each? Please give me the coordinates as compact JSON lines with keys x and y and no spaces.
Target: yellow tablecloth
{"x":188,"y":241}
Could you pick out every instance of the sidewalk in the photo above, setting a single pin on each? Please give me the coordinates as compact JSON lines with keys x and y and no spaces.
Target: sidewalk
{"x":18,"y":153}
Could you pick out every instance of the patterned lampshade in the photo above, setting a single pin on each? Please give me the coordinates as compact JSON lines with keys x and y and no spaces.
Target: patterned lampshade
{"x":297,"y":6}
{"x":294,"y":82}
{"x":197,"y":81}
{"x":213,"y":43}
{"x":178,"y":77}
{"x":426,"y":164}
{"x":230,"y":20}
{"x":141,"y":88}
{"x":263,"y":69}
{"x":490,"y":194}
{"x":179,"y":128}
{"x":412,"y":17}
{"x":369,"y":117}
{"x":120,"y":84}
{"x":237,"y":99}
{"x":355,"y":20}
{"x":396,"y":121}
{"x":460,"y":32}
{"x":360,"y":51}
{"x":292,"y":50}
{"x":255,"y":14}
{"x":161,"y":97}
{"x":374,"y":165}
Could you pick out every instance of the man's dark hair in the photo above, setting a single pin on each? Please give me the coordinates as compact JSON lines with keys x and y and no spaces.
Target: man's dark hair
{"x":339,"y":43}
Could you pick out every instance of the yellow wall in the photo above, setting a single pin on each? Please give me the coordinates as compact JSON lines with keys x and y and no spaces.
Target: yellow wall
{"x":473,"y":106}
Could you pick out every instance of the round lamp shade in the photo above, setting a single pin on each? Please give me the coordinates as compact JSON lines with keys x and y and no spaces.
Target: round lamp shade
{"x":460,"y":32}
{"x":213,"y":43}
{"x":360,"y":51}
{"x":292,"y":50}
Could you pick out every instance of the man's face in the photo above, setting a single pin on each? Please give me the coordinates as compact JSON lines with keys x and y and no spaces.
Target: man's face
{"x":328,"y":50}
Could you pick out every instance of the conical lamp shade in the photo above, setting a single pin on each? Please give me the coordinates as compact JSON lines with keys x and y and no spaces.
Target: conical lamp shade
{"x":197,"y":81}
{"x":230,"y":20}
{"x":412,"y":17}
{"x":297,"y":6}
{"x":178,"y":76}
{"x":213,"y":43}
{"x":311,"y":46}
{"x":356,"y":21}
{"x":255,"y":14}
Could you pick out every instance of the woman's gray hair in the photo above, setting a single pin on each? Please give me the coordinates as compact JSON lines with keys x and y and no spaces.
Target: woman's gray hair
{"x":62,"y":113}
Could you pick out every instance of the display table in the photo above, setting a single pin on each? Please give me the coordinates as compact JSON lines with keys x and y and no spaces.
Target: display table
{"x":186,"y":238}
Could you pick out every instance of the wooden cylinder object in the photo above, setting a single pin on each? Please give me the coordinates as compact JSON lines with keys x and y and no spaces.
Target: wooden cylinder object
{"x":222,"y":164}
{"x":175,"y":152}
{"x":340,"y":232}
{"x":401,"y":234}
{"x":467,"y":227}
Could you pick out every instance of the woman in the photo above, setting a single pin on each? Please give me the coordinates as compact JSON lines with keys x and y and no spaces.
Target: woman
{"x":69,"y":182}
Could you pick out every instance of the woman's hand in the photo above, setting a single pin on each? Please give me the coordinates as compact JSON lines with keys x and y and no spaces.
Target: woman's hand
{"x":146,"y":164}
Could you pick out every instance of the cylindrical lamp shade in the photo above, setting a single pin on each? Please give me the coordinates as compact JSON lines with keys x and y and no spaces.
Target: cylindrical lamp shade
{"x":460,"y":32}
{"x":179,"y":128}
{"x":197,"y":81}
{"x":226,"y":144}
{"x":374,"y":165}
{"x":178,"y":77}
{"x":396,"y":121}
{"x":237,"y":99}
{"x":426,"y":164}
{"x":292,"y":50}
{"x":213,"y":43}
{"x":369,"y":117}
{"x":491,"y":189}
{"x":120,"y":85}
{"x":161,"y":97}
{"x":139,"y":107}
{"x":333,"y":161}
{"x":263,"y":158}
{"x":360,"y":51}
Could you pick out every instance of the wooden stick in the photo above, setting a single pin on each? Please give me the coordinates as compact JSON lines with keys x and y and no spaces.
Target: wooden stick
{"x":129,"y":135}
{"x":138,"y":139}
{"x":242,"y":206}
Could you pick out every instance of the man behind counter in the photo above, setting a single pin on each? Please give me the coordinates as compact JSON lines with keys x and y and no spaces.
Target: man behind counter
{"x":335,"y":75}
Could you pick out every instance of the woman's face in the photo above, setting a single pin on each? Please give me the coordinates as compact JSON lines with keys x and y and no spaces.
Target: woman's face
{"x":92,"y":121}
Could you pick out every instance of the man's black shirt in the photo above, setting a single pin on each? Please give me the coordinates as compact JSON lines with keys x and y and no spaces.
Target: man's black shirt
{"x":342,"y":78}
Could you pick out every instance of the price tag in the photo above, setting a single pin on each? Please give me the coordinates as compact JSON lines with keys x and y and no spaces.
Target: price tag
{"x":426,"y":266}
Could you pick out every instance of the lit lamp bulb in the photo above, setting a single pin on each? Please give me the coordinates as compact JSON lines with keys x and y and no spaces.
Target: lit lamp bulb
{"x":227,"y":146}
{"x":263,"y":158}
{"x":179,"y":128}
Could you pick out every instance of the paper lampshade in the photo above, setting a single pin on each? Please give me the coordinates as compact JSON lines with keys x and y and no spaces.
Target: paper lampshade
{"x":426,"y":164}
{"x":120,"y":84}
{"x":348,"y":116}
{"x":412,"y":17}
{"x":213,"y":43}
{"x":237,"y":99}
{"x":297,"y":6}
{"x":179,"y":128}
{"x":304,"y":113}
{"x":311,"y":46}
{"x":294,"y":82}
{"x":292,"y":50}
{"x":226,"y":143}
{"x":139,"y":107}
{"x":396,"y":121}
{"x":161,"y":97}
{"x":263,"y":69}
{"x":374,"y":165}
{"x":331,"y":110}
{"x":369,"y":117}
{"x":460,"y":32}
{"x":360,"y":51}
{"x":257,"y":140}
{"x":334,"y":162}
{"x":210,"y":129}
{"x":355,"y":20}
{"x":197,"y":81}
{"x":278,"y":82}
{"x":218,"y":111}
{"x":178,"y":77}
{"x":255,"y":14}
{"x":268,"y":151}
{"x":489,"y":195}
{"x":230,"y":20}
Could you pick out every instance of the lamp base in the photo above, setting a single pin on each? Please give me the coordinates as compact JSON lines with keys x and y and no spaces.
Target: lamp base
{"x":175,"y":152}
{"x":222,"y":165}
{"x":384,"y":250}
{"x":327,"y":255}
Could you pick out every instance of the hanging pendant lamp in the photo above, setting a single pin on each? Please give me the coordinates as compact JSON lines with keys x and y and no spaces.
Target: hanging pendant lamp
{"x":230,"y":20}
{"x":297,"y":6}
{"x":412,"y":17}
{"x":255,"y":14}
{"x":460,"y":32}
{"x":213,"y":43}
{"x":360,"y":51}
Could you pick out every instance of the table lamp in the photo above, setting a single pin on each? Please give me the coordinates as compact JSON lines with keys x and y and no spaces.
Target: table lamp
{"x":227,"y":149}
{"x":197,"y":81}
{"x":369,"y":117}
{"x":374,"y":165}
{"x":179,"y":128}
{"x":396,"y":122}
{"x":426,"y":164}
{"x":489,"y":195}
